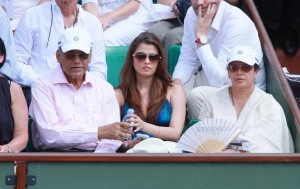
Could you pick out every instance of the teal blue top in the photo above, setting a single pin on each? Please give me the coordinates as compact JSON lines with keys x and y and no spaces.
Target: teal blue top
{"x":163,"y":117}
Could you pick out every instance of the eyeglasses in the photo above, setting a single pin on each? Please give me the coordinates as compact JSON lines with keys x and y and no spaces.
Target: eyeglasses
{"x":141,"y":56}
{"x":71,"y":56}
{"x":244,"y":67}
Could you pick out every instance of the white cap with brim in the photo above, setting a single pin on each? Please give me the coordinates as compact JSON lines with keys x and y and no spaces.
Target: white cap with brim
{"x":155,"y":145}
{"x":75,"y":39}
{"x":244,"y":54}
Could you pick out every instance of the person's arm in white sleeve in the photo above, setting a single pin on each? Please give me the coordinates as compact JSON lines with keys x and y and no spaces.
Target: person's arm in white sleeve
{"x":91,"y":6}
{"x":188,"y":61}
{"x":54,"y":133}
{"x":24,"y":42}
{"x":9,"y":67}
{"x":98,"y":64}
{"x":214,"y":66}
{"x":120,"y":13}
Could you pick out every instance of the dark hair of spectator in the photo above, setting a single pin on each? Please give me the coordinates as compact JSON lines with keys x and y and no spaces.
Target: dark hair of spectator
{"x":159,"y":85}
{"x":2,"y":52}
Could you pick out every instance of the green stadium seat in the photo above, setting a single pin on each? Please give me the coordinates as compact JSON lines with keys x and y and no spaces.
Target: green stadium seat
{"x":115,"y":58}
{"x":29,"y":147}
{"x":174,"y":52}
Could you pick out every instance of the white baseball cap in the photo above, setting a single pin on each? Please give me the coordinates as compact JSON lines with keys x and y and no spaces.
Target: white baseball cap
{"x":75,"y":38}
{"x":244,"y":54}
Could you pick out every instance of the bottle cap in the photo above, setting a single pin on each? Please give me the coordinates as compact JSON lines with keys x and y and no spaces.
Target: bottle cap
{"x":130,"y":111}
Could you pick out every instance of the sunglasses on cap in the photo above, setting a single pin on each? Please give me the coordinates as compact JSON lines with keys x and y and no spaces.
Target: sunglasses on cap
{"x":71,"y":56}
{"x":243,"y":67}
{"x":141,"y":56}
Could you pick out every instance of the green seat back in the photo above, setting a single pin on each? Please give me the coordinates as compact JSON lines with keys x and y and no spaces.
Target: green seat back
{"x":174,"y":52}
{"x":115,"y":58}
{"x":273,"y":88}
{"x":29,"y":147}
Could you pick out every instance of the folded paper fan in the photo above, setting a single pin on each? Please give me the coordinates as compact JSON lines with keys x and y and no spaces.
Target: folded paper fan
{"x":208,"y":136}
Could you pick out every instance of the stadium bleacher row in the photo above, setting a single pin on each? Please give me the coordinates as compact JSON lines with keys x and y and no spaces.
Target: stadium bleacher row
{"x":115,"y":57}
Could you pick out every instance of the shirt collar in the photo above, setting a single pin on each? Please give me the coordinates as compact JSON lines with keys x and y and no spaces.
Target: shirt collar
{"x":79,"y":22}
{"x":216,"y":24}
{"x":60,"y":78}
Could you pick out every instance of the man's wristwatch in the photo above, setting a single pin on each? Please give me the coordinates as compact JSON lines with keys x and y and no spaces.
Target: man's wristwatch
{"x":202,"y":40}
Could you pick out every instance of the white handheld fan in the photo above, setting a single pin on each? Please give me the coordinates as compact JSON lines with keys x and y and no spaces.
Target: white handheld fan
{"x":208,"y":136}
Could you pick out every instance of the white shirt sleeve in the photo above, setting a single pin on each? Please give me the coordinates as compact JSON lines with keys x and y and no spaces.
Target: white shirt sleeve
{"x":214,"y":68}
{"x":89,"y":1}
{"x":188,"y":61}
{"x":6,"y":34}
{"x":98,"y":64}
{"x":24,"y":42}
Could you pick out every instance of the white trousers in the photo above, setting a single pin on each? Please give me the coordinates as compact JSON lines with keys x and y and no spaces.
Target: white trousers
{"x":123,"y":32}
{"x":198,"y":90}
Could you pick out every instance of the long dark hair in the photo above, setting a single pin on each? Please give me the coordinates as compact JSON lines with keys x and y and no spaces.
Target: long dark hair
{"x":159,"y":85}
{"x":2,"y":51}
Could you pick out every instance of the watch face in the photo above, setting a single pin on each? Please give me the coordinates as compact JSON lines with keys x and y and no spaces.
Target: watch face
{"x":203,"y":39}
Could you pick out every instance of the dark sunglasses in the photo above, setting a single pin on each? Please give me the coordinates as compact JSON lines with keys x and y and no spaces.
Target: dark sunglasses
{"x":141,"y":56}
{"x":71,"y":56}
{"x":244,"y":67}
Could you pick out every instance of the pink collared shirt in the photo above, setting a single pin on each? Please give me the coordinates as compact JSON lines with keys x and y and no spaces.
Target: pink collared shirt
{"x":65,"y":118}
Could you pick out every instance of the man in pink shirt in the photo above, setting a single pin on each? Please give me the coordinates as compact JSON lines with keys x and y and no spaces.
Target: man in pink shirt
{"x":73,"y":110}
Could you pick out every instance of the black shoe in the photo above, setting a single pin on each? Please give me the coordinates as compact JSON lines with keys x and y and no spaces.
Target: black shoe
{"x":290,"y":42}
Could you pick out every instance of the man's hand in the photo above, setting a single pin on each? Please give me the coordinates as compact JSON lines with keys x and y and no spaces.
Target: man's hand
{"x":105,"y":21}
{"x":117,"y":131}
{"x":3,"y":148}
{"x":205,"y":19}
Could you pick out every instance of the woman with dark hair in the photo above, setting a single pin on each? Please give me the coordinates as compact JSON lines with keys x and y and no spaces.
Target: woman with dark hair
{"x":147,"y":87}
{"x":255,"y":112}
{"x":13,"y":111}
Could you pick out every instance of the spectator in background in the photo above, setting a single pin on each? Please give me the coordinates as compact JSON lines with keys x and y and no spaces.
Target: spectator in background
{"x":15,"y":8}
{"x":73,"y":110}
{"x":122,"y":20}
{"x":38,"y":33}
{"x":284,"y":16}
{"x":170,"y":31}
{"x":211,"y":29}
{"x":146,"y":87}
{"x":8,"y":69}
{"x":13,"y":111}
{"x":255,"y":112}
